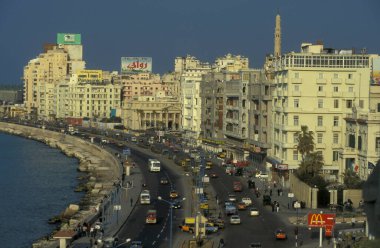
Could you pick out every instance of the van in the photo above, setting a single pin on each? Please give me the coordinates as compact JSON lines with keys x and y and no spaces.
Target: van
{"x":154,"y":165}
{"x":145,"y":197}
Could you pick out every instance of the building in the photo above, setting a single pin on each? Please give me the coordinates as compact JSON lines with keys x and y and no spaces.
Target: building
{"x":50,"y":68}
{"x":142,"y":84}
{"x":158,"y":112}
{"x":231,"y":63}
{"x":83,"y":98}
{"x":318,"y":87}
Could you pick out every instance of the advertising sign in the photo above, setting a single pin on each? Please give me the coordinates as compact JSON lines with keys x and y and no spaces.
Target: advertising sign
{"x":69,"y":39}
{"x":375,"y":80}
{"x":136,"y":64}
{"x":320,"y":220}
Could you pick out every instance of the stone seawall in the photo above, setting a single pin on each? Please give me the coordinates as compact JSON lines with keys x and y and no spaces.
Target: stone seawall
{"x":102,"y":168}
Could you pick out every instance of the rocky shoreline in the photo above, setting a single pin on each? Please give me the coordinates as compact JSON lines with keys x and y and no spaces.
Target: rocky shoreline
{"x":101,"y":168}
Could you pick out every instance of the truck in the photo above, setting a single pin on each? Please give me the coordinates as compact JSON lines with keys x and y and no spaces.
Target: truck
{"x":154,"y":165}
{"x":151,"y":217}
{"x":188,"y":225}
{"x":145,"y":197}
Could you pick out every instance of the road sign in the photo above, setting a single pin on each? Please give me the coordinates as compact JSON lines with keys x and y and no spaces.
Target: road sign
{"x":290,"y":195}
{"x":117,"y":207}
{"x":127,"y":151}
{"x":320,"y":220}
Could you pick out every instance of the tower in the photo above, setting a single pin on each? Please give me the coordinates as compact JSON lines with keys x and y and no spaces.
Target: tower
{"x":277,"y":36}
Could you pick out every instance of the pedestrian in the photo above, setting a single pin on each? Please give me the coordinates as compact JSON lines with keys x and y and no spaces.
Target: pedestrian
{"x":353,"y":221}
{"x":91,"y":232}
{"x":272,"y":207}
{"x":131,"y":201}
{"x":221,"y":242}
{"x":270,"y":192}
{"x":278,"y":192}
{"x":91,"y":242}
{"x":84,"y":230}
{"x":274,"y":184}
{"x":277,"y":207}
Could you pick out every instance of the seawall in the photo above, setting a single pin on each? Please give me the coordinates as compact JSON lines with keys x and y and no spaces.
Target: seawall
{"x":102,"y":168}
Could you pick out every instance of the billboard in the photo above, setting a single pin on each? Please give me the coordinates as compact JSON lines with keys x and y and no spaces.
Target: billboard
{"x":69,"y":39}
{"x":375,"y":80}
{"x":136,"y":64}
{"x":320,"y":220}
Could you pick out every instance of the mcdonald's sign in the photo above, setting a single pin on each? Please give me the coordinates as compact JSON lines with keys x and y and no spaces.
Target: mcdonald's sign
{"x":320,"y":220}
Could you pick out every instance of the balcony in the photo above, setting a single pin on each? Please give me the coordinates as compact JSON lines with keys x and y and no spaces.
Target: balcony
{"x":337,"y":94}
{"x":336,"y":81}
{"x":321,"y":93}
{"x":350,"y":81}
{"x":320,"y":146}
{"x":349,"y":151}
{"x":321,"y":81}
{"x":296,"y":80}
{"x":320,"y":129}
{"x":296,"y":93}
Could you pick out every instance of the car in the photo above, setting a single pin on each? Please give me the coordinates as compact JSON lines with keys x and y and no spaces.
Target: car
{"x":255,"y":245}
{"x":230,"y":208}
{"x":247,"y":201}
{"x":211,"y":228}
{"x":214,"y":175}
{"x":173,"y":194}
{"x":262,"y":175}
{"x":254,"y":212}
{"x":134,"y":139}
{"x":109,"y":242}
{"x":235,"y":219}
{"x":232,"y":198}
{"x":241,"y":206}
{"x":280,"y":234}
{"x":164,"y":181}
{"x":237,"y":186}
{"x":267,"y":200}
{"x":136,"y":244}
{"x":217,"y":222}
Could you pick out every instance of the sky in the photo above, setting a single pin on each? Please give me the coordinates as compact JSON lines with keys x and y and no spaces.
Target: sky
{"x":165,"y":29}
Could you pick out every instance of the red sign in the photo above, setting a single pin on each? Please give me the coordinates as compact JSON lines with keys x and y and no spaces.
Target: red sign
{"x":329,"y":231}
{"x":320,"y":220}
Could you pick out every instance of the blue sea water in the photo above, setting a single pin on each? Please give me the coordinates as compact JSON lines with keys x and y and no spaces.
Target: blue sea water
{"x":36,"y":183}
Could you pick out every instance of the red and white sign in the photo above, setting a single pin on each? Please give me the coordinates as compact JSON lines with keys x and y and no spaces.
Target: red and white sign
{"x":320,"y":220}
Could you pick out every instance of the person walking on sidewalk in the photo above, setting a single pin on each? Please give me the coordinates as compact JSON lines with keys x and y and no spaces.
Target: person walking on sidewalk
{"x":131,"y":201}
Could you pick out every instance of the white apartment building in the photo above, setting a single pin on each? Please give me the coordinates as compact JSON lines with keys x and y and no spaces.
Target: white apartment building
{"x":98,"y":98}
{"x":317,"y":87}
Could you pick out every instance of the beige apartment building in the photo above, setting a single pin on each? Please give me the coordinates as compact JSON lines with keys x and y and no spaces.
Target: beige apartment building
{"x":97,"y":98}
{"x":43,"y":73}
{"x":141,"y":84}
{"x":362,"y":150}
{"x":318,"y":87}
{"x":159,"y":112}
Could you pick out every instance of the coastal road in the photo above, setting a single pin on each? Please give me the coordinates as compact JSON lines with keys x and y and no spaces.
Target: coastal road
{"x":153,"y":235}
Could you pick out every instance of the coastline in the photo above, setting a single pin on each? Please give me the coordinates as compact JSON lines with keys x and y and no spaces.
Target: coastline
{"x":101,"y":167}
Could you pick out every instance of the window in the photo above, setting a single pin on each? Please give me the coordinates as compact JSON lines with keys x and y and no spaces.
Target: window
{"x":378,"y":107}
{"x":320,"y":103}
{"x":359,"y":143}
{"x":361,"y":103}
{"x":348,"y":103}
{"x":336,"y":103}
{"x":295,"y":138}
{"x":336,"y":121}
{"x":349,"y":75}
{"x":335,"y":138}
{"x":320,"y":88}
{"x":296,"y":88}
{"x":296,"y":75}
{"x":335,"y":75}
{"x":320,"y":121}
{"x":295,"y":155}
{"x":351,"y":140}
{"x":320,"y":75}
{"x":335,"y":155}
{"x":319,"y":138}
{"x":296,"y":103}
{"x":350,"y":89}
{"x":296,"y":120}
{"x":336,"y":89}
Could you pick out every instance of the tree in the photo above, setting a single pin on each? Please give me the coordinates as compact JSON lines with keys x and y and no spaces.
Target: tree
{"x":305,"y":142}
{"x":311,"y":165}
{"x":352,"y":180}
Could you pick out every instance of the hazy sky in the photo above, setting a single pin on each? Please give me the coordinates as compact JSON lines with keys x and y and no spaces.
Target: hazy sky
{"x":165,"y":29}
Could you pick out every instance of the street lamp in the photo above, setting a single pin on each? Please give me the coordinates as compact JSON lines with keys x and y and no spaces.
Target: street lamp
{"x":171,"y":204}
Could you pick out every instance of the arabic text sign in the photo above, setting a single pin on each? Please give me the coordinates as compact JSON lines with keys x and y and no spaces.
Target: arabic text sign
{"x":320,"y":220}
{"x":136,"y":64}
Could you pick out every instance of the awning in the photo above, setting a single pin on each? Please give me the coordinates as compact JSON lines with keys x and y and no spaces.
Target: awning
{"x":272,"y":160}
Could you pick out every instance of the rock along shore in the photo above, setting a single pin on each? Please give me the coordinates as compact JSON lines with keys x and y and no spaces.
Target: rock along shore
{"x":102,"y":170}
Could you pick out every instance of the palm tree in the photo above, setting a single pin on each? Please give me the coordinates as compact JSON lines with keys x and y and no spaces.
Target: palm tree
{"x":305,"y":142}
{"x":311,"y":165}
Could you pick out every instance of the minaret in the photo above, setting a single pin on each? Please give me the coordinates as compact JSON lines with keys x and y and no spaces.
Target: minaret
{"x":277,"y":36}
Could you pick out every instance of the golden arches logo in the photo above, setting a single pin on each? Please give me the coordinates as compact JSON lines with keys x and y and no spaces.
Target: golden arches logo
{"x":316,"y":219}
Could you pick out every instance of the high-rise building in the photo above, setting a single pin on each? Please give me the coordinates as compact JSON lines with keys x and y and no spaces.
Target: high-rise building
{"x":318,"y":88}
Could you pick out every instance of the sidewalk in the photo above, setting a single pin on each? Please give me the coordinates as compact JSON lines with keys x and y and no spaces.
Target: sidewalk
{"x":116,"y":208}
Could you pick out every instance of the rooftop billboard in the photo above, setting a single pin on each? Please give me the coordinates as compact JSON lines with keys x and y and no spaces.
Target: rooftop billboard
{"x":136,"y":64}
{"x":69,"y":39}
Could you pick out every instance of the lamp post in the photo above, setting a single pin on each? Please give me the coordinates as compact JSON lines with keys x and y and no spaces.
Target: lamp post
{"x":171,"y":203}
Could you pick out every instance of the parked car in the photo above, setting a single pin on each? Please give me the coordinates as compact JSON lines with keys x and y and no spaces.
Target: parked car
{"x":253,"y":212}
{"x":210,"y":228}
{"x":241,"y":206}
{"x":235,"y":219}
{"x":164,"y":181}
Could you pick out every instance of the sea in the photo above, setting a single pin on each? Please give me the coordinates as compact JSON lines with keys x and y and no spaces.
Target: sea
{"x":37,"y":182}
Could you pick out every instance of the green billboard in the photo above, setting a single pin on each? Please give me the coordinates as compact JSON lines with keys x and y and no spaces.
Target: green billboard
{"x":69,"y":39}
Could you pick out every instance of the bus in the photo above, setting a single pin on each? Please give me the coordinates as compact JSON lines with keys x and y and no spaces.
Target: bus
{"x":145,"y":197}
{"x":154,"y":165}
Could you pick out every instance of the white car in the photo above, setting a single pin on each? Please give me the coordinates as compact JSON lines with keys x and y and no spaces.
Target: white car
{"x":254,"y":212}
{"x":247,"y":201}
{"x":235,"y":219}
{"x":262,"y":175}
{"x":232,"y":198}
